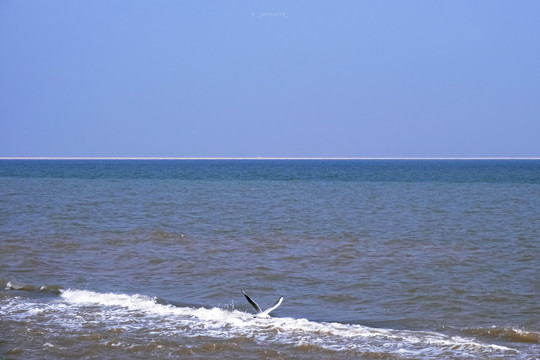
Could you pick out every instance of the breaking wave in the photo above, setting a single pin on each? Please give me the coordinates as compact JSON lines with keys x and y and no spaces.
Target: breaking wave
{"x":506,"y":333}
{"x":136,"y":316}
{"x":124,"y":311}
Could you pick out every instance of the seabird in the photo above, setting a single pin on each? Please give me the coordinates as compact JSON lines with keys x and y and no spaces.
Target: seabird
{"x":265,"y":313}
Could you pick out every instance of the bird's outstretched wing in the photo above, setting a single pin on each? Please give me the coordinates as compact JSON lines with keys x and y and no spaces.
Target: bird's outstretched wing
{"x":253,"y":303}
{"x":267,"y":311}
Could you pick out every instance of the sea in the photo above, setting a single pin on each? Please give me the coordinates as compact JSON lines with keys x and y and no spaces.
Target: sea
{"x":375,"y":259}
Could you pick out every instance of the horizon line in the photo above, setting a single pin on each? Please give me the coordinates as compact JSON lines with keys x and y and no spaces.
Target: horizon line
{"x":259,"y":158}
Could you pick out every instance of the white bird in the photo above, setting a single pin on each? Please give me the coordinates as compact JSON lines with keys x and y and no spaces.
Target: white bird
{"x":265,"y":313}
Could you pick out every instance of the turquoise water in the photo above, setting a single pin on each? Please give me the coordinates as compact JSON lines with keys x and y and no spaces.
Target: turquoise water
{"x":374,"y":258}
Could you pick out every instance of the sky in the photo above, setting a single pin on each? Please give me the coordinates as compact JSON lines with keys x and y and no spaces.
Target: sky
{"x":317,"y":78}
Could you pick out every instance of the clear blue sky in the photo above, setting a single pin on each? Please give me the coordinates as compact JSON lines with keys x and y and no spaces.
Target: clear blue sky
{"x":270,"y":78}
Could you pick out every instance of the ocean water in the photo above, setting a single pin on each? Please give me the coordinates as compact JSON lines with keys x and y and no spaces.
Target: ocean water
{"x":375,"y":259}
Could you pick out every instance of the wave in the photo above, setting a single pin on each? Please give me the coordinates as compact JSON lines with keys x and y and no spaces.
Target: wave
{"x":10,"y":285}
{"x":74,"y":309}
{"x":506,"y":333}
{"x":229,"y":323}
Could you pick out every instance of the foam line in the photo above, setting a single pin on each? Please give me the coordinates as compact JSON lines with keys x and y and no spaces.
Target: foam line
{"x":140,"y":310}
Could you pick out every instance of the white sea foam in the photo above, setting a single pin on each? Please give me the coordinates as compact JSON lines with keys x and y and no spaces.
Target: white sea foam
{"x":133,"y":302}
{"x":81,"y":311}
{"x":137,"y":311}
